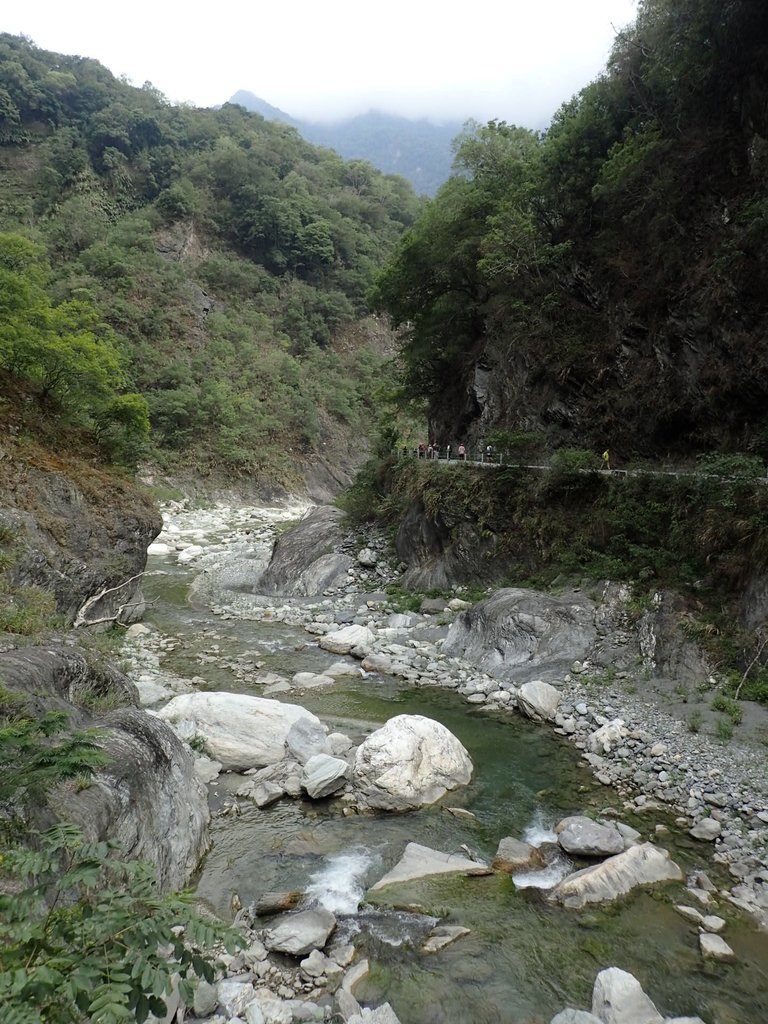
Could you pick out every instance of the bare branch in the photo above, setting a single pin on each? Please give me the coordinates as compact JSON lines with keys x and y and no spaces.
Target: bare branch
{"x":80,"y":619}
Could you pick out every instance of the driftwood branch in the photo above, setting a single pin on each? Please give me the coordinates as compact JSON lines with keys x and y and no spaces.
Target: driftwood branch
{"x":760,"y":648}
{"x":80,"y":618}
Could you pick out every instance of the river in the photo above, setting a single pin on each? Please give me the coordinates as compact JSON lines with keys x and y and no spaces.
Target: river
{"x":524,"y":959}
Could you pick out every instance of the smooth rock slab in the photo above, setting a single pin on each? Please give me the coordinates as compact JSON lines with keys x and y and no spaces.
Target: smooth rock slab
{"x":443,"y":935}
{"x":410,"y":762}
{"x":245,"y":732}
{"x":569,"y":1016}
{"x":323,"y":775}
{"x":584,"y":837}
{"x":298,"y":934}
{"x":713,"y":947}
{"x":422,"y":862}
{"x":618,"y":998}
{"x":309,"y":680}
{"x":640,"y":865}
{"x":383,"y":1014}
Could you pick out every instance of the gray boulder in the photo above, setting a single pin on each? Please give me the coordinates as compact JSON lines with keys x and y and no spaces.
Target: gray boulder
{"x":514,"y":855}
{"x":323,"y":775}
{"x":358,"y":639}
{"x":584,"y":837}
{"x":706,"y":829}
{"x":519,"y":634}
{"x":298,"y":934}
{"x":617,"y":998}
{"x":410,"y":762}
{"x":538,"y":700}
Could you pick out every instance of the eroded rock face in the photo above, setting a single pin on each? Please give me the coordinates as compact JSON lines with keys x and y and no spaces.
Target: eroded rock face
{"x":523,"y":633}
{"x":304,"y":562}
{"x":148,"y":797}
{"x":640,"y":865}
{"x":78,"y":531}
{"x":410,"y":762}
{"x":246,"y":732}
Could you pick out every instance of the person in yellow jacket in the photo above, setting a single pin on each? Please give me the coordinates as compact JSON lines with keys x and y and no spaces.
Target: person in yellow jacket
{"x":606,"y":459}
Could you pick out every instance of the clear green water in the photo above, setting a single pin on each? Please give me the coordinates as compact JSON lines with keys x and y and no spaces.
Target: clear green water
{"x":524,"y":959}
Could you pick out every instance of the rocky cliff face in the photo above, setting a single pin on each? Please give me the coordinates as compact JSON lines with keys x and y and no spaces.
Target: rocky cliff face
{"x":75,"y":531}
{"x":147,"y":797}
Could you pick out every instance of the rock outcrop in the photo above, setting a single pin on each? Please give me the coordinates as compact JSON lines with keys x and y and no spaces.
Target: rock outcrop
{"x":148,"y":796}
{"x":305,"y":562}
{"x":77,"y":532}
{"x":524,"y":634}
{"x":410,"y":762}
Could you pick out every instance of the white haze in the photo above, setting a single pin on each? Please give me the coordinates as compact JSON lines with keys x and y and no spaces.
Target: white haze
{"x":515,"y":60}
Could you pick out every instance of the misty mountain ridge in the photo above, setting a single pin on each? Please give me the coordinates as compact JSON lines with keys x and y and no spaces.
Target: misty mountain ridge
{"x":419,"y":150}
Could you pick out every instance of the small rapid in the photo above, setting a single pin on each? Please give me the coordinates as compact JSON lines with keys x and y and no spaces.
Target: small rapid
{"x":339,"y":886}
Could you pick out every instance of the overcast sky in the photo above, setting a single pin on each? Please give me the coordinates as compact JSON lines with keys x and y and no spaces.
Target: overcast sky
{"x":515,"y":60}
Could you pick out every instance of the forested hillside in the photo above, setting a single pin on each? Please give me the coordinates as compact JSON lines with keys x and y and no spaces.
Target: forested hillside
{"x":179,"y":283}
{"x":605,"y":284}
{"x":419,"y":150}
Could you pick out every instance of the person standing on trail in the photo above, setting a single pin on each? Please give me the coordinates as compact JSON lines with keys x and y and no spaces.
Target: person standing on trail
{"x":606,"y":459}
{"x":462,"y":452}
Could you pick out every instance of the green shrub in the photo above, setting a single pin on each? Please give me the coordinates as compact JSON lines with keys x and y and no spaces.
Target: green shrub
{"x":730,"y":707}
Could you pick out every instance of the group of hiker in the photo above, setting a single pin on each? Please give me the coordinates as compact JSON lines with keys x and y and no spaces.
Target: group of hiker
{"x":434,"y":451}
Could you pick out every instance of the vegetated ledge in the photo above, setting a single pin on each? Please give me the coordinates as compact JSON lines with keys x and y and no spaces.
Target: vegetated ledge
{"x":704,"y":536}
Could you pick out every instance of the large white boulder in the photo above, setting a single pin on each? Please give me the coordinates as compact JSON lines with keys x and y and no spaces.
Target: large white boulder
{"x":639,"y":865}
{"x":618,"y":998}
{"x":246,"y":732}
{"x":410,"y":762}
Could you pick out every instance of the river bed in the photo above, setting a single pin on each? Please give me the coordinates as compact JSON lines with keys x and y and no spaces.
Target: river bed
{"x":524,"y":959}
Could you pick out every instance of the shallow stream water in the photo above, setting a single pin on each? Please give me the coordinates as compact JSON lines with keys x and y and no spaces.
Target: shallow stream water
{"x":525,"y":959}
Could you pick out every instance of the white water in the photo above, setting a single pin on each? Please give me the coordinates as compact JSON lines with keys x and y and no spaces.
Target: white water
{"x":339,"y":885}
{"x":538,"y":831}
